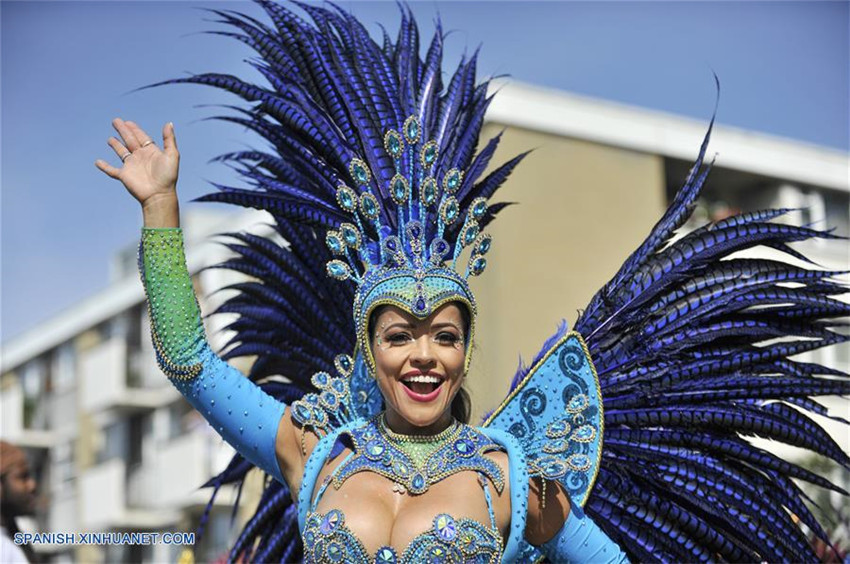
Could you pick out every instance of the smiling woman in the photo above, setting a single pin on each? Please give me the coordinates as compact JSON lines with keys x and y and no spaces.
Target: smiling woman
{"x":420,"y":366}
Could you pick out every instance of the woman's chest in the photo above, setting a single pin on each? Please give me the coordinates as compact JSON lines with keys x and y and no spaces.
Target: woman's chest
{"x":371,"y":511}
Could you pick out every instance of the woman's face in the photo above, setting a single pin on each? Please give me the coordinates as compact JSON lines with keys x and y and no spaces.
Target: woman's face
{"x":419,"y":365}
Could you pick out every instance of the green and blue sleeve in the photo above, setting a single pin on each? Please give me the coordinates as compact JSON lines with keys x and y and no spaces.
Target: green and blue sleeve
{"x":238,"y":409}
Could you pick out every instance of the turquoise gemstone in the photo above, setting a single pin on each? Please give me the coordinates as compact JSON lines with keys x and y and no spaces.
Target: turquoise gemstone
{"x":478,"y":265}
{"x":418,"y":482}
{"x":451,"y":211}
{"x":429,"y":192}
{"x":453,"y":180}
{"x":470,"y":235}
{"x":577,"y":402}
{"x":360,"y":173}
{"x":334,"y":244}
{"x":334,"y":552}
{"x":320,"y":379}
{"x":437,"y":553}
{"x":393,"y":143}
{"x":429,"y":154}
{"x":399,"y":189}
{"x":345,"y":198}
{"x":385,"y":555}
{"x":375,"y":449}
{"x":370,"y":206}
{"x":479,"y":209}
{"x":554,"y":469}
{"x":338,"y":270}
{"x":350,"y":236}
{"x":464,"y":447}
{"x":484,"y":246}
{"x":558,"y":429}
{"x":401,"y":469}
{"x":338,"y":385}
{"x":412,"y":131}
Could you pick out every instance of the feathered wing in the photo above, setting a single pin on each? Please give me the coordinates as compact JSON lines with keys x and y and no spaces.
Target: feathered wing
{"x":693,"y":347}
{"x":331,"y":94}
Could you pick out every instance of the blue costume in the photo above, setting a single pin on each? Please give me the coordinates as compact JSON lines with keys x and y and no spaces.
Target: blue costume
{"x":638,"y":414}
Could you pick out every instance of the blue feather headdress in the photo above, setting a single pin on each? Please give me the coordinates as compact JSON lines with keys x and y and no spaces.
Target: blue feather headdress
{"x":372,"y":151}
{"x":371,"y":176}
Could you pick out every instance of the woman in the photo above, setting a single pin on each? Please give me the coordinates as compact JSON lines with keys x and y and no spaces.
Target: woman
{"x":374,"y":181}
{"x":419,"y":364}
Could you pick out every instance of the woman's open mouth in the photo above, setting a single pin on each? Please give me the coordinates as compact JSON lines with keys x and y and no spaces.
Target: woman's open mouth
{"x":422,"y":387}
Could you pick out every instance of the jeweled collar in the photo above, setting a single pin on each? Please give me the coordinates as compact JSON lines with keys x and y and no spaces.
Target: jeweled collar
{"x":418,"y":447}
{"x":462,"y":448}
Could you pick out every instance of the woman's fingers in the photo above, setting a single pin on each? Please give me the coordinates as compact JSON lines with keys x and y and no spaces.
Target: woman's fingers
{"x":120,"y":150}
{"x":127,"y":134}
{"x":143,"y":138}
{"x":169,"y":140}
{"x":107,"y":168}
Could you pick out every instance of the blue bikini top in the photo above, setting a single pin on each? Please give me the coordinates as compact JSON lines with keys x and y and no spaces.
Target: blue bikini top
{"x":327,"y":538}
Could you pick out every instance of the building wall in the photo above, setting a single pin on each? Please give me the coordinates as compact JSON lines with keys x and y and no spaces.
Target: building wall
{"x":582,"y":208}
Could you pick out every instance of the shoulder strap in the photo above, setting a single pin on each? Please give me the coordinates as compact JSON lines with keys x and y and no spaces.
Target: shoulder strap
{"x":314,"y":466}
{"x":518,"y":468}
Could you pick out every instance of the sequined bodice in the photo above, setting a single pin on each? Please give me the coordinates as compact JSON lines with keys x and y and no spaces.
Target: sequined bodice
{"x":328,"y":539}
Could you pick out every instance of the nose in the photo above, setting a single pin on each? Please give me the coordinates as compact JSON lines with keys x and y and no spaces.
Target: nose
{"x":422,"y":352}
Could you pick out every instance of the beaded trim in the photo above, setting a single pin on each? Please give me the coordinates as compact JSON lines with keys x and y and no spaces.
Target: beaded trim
{"x":400,"y":438}
{"x":462,"y":450}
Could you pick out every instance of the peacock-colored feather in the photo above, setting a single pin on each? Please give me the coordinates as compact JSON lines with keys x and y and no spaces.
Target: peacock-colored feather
{"x":696,"y":351}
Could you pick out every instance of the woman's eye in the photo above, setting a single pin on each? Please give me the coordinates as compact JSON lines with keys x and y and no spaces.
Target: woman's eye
{"x":447,"y":338}
{"x":399,"y":338}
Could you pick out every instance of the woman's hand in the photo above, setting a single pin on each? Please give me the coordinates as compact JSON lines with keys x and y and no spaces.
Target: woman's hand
{"x":148,"y":173}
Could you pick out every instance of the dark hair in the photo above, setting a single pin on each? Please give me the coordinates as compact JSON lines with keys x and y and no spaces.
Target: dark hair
{"x":461,"y":407}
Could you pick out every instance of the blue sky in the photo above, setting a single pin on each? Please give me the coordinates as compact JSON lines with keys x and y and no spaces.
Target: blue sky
{"x":69,"y":67}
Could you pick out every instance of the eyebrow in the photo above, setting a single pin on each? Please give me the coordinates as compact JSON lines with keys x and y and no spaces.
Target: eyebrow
{"x":406,"y":325}
{"x":402,"y":324}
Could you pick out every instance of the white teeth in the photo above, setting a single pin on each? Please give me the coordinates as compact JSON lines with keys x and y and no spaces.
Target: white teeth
{"x":424,"y":379}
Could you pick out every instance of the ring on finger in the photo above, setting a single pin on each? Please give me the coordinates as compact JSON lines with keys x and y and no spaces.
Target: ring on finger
{"x":146,"y":143}
{"x":125,"y":155}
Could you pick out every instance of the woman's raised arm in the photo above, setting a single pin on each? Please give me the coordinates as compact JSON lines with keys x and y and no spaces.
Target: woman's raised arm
{"x":256,"y":424}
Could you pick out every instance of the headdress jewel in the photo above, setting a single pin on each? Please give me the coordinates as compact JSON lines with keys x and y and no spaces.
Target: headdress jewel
{"x":407,"y":256}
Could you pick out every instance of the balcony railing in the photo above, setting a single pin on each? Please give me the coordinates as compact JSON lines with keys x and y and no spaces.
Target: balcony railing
{"x":110,"y":383}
